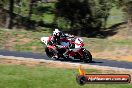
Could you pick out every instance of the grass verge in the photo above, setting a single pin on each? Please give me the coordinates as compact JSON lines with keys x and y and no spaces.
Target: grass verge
{"x":20,"y":76}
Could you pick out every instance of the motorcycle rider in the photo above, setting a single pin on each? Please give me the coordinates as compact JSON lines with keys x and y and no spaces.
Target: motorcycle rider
{"x":57,"y":38}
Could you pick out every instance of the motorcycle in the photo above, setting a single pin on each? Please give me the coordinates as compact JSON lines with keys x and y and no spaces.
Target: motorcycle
{"x":68,"y":48}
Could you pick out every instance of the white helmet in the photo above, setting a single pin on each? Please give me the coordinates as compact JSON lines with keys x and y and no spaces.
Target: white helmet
{"x":56,"y":32}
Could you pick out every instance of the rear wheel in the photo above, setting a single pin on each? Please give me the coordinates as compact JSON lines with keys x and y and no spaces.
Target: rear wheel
{"x":87,"y":56}
{"x":51,"y":53}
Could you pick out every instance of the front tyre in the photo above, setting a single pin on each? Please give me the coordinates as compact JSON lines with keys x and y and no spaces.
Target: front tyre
{"x":87,"y":56}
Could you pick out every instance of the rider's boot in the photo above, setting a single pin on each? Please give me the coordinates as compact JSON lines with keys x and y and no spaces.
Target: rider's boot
{"x":65,"y":53}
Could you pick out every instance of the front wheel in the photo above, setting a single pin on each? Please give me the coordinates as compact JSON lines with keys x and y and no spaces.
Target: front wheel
{"x":51,"y":53}
{"x":87,"y":56}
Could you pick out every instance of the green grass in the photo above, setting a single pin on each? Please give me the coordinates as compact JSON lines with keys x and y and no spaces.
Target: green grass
{"x":28,"y":46}
{"x":1,"y":36}
{"x":123,"y":42}
{"x":100,"y":45}
{"x":116,"y":16}
{"x":35,"y":42}
{"x":19,"y":76}
{"x":19,"y":40}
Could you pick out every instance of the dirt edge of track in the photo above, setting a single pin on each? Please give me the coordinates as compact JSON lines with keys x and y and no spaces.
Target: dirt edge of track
{"x":11,"y":60}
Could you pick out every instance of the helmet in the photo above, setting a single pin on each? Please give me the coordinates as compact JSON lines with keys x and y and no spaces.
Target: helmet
{"x":57,"y":33}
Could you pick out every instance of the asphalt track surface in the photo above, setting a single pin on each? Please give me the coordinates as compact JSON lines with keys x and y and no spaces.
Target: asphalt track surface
{"x":100,"y":62}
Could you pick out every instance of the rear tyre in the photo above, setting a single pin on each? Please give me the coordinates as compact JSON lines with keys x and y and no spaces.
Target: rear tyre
{"x":51,"y":53}
{"x":87,"y":56}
